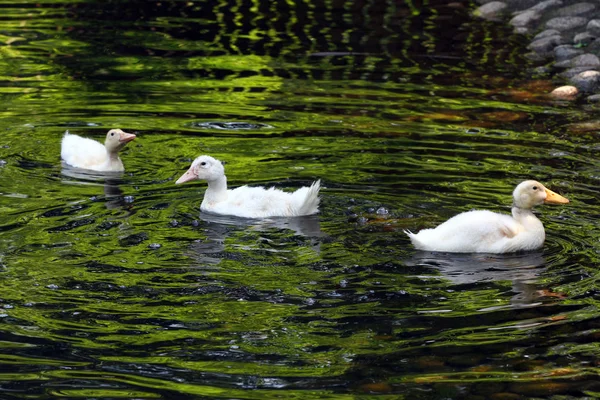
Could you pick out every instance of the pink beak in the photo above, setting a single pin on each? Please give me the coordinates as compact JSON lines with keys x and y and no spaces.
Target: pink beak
{"x":188,"y":176}
{"x":125,"y":137}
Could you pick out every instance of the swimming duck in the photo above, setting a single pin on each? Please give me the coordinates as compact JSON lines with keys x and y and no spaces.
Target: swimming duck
{"x":89,"y":154}
{"x":482,"y":231}
{"x":248,"y":202}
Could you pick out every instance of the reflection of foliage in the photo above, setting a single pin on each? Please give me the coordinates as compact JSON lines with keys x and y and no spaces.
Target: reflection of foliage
{"x":130,"y":287}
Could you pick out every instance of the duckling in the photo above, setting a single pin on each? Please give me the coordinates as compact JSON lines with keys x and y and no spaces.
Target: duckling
{"x":86,"y":153}
{"x":245,"y":201}
{"x":482,"y":231}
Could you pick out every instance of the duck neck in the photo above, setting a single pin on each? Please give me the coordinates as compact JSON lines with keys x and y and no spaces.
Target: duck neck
{"x":113,"y":162}
{"x":527,"y":218}
{"x":217,"y":190}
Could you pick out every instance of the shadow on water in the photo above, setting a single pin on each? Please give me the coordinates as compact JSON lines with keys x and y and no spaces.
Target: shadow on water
{"x":521,"y":270}
{"x":218,"y":227}
{"x":113,"y":197}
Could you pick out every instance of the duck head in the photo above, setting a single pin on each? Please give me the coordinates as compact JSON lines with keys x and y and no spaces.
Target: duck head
{"x":116,"y":139}
{"x":532,"y":193}
{"x":203,"y":168}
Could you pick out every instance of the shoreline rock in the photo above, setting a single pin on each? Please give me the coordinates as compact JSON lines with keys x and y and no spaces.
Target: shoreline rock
{"x":563,"y":34}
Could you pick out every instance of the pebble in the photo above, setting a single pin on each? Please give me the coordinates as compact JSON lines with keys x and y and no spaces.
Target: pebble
{"x":565,"y":93}
{"x":566,"y":52}
{"x":525,"y":19}
{"x":576,"y":10}
{"x":571,"y":72}
{"x":593,"y":27}
{"x":546,"y":33}
{"x":545,"y":5}
{"x":566,"y":31}
{"x":546,"y":44}
{"x":492,"y":11}
{"x":583,"y":39}
{"x":587,"y":81}
{"x":566,"y":23}
{"x":586,"y":60}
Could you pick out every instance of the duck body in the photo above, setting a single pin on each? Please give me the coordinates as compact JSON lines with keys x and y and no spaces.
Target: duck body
{"x":482,"y":231}
{"x":89,"y":154}
{"x":245,"y":201}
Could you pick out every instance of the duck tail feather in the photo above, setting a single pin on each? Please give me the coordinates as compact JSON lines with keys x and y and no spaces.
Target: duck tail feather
{"x":310,"y":205}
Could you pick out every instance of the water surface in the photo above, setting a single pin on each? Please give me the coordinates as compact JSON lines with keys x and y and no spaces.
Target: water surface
{"x":118,"y":287}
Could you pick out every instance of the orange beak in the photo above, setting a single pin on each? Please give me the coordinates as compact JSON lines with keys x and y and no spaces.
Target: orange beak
{"x":554,"y":198}
{"x":125,"y":137}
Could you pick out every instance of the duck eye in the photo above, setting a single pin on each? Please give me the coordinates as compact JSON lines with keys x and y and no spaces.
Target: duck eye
{"x":203,"y":163}
{"x":112,"y":134}
{"x":535,"y":188}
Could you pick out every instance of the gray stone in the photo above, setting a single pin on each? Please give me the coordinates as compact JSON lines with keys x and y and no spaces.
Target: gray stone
{"x":584,"y":39}
{"x":546,"y":45}
{"x":566,"y":23}
{"x":587,"y":81}
{"x":546,"y":33}
{"x":595,"y":98}
{"x":544,"y":5}
{"x":571,"y":72}
{"x":593,"y":47}
{"x":566,"y":52}
{"x":491,"y":11}
{"x":593,"y":27}
{"x":526,"y":18}
{"x":585,"y":60}
{"x":542,"y":70}
{"x":521,"y":30}
{"x":537,"y":57}
{"x":576,"y":10}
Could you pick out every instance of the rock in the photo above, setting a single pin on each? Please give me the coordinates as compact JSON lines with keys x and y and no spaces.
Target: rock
{"x":586,"y":60}
{"x":595,"y":98}
{"x":544,"y":5}
{"x":542,"y":70}
{"x":545,"y":45}
{"x":525,"y":19}
{"x":587,"y":81}
{"x":564,"y":93}
{"x":537,"y":57}
{"x":571,"y":72}
{"x":546,"y":33}
{"x":576,"y":10}
{"x":566,"y":52}
{"x":491,"y":11}
{"x":593,"y":47}
{"x":593,"y":27}
{"x":566,"y":23}
{"x":584,"y":39}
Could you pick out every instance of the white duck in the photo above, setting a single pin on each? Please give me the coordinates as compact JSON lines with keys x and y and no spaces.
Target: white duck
{"x":89,"y":154}
{"x":483,"y":231}
{"x":248,"y":202}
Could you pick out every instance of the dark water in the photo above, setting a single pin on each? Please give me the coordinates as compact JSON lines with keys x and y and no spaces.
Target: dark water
{"x":118,"y":287}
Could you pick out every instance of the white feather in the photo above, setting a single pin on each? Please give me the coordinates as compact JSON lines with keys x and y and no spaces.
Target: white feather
{"x":249,"y":202}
